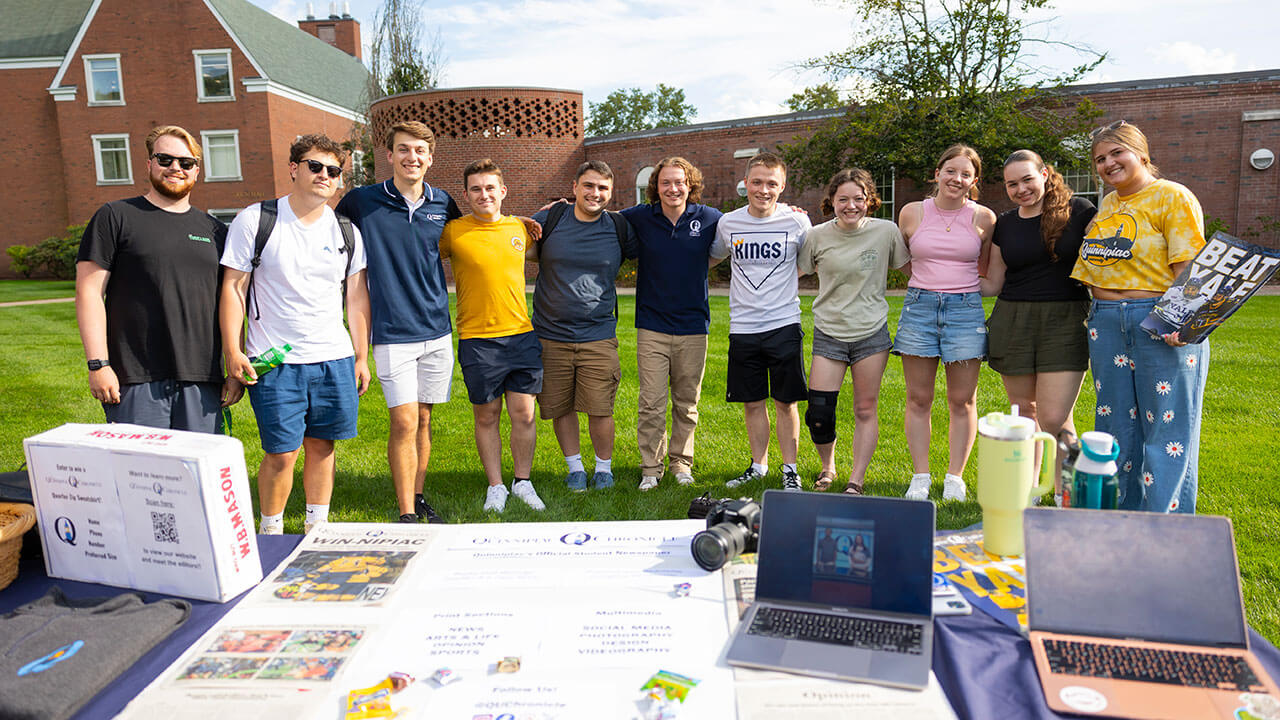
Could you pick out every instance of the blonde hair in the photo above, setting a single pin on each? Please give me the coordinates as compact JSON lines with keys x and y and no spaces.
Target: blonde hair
{"x":1128,"y":136}
{"x":161,"y":130}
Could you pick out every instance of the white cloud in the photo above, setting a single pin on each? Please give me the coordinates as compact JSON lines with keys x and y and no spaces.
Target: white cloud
{"x":292,"y":11}
{"x":1196,"y":59}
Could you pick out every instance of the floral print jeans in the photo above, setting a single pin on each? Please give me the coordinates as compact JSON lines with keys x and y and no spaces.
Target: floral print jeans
{"x":1149,"y":398}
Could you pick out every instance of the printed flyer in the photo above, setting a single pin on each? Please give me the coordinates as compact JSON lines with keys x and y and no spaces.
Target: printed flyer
{"x":994,"y":584}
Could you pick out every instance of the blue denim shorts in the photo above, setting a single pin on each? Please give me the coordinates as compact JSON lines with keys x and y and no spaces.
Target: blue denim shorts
{"x":951,"y":326}
{"x":315,"y":400}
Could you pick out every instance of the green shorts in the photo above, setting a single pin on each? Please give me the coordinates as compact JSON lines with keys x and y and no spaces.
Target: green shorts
{"x":1038,"y":337}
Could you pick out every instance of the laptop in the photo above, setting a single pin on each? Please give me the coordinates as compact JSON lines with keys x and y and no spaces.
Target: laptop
{"x":1138,"y":615}
{"x":844,"y":589}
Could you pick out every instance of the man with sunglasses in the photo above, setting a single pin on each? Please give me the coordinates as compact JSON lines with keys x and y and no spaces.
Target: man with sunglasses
{"x":297,"y":299}
{"x":147,"y":283}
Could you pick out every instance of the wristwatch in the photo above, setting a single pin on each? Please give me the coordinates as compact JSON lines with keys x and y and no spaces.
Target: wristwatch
{"x":98,"y":364}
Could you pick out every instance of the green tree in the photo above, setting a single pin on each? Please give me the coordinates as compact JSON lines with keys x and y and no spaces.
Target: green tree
{"x":936,"y":72}
{"x":629,"y":109}
{"x":815,"y":97}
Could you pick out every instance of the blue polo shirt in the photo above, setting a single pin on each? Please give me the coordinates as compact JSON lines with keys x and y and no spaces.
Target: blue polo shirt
{"x":671,"y":273}
{"x":407,"y":290}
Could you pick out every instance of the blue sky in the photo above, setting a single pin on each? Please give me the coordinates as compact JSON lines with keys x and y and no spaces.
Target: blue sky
{"x":736,"y":58}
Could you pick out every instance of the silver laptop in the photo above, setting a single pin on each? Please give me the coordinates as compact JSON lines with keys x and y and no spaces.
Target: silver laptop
{"x":1139,"y":615}
{"x":844,"y":589}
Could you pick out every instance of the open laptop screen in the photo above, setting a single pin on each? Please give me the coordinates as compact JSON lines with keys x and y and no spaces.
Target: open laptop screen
{"x":846,"y":551}
{"x":1147,"y":576}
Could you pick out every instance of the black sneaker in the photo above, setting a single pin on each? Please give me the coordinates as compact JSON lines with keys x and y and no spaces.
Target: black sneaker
{"x":748,"y":475}
{"x":425,"y":511}
{"x":408,"y":518}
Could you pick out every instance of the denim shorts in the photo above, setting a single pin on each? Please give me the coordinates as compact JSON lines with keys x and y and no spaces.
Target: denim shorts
{"x":315,"y":400}
{"x":950,"y":326}
{"x":850,"y":353}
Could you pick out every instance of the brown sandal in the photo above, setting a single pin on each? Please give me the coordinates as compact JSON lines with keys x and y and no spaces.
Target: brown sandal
{"x":851,"y":489}
{"x":823,"y":483}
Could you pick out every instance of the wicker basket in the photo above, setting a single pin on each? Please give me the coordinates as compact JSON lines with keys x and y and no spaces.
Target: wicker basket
{"x":15,"y":520}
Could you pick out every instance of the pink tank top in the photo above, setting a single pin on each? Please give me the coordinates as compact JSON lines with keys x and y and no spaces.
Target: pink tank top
{"x":945,"y":250}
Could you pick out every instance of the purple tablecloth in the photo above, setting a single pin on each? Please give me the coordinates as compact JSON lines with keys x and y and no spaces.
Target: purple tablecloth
{"x":32,"y":583}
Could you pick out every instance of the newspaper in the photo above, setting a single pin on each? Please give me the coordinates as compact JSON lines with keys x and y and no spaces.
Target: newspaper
{"x":1225,"y":273}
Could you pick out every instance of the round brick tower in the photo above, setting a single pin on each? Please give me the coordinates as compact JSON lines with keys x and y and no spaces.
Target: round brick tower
{"x":533,"y":134}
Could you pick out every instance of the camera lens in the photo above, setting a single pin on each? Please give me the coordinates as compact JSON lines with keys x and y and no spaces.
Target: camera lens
{"x":715,"y":546}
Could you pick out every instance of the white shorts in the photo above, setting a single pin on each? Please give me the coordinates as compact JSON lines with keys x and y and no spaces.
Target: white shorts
{"x":416,"y":371}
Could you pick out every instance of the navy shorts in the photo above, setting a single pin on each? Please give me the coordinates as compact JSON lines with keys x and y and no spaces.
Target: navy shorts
{"x":767,"y":364}
{"x":315,"y":400}
{"x":951,"y":326}
{"x":494,"y":366}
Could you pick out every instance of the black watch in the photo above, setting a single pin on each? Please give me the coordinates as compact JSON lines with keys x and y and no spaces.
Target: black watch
{"x":98,"y":364}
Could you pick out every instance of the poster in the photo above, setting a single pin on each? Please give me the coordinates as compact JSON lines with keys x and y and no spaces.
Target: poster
{"x":994,"y":584}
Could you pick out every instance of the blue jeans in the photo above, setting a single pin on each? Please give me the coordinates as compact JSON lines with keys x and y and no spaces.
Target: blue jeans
{"x":1149,"y":398}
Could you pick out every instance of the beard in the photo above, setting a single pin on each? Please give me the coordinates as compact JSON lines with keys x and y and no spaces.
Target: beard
{"x":173,"y":192}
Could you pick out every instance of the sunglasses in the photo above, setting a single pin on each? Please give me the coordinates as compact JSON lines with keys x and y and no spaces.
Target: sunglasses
{"x":164,"y":160}
{"x":1104,"y":128}
{"x":316,"y":167}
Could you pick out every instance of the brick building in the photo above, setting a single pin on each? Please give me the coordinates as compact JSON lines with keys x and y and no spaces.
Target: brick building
{"x":85,"y":80}
{"x":1204,"y":130}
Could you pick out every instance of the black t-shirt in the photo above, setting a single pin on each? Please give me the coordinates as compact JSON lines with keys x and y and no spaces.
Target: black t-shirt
{"x":1031,"y":275}
{"x":162,"y":296}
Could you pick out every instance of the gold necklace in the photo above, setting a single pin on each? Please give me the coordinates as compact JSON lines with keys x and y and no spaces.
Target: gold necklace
{"x":955,"y":214}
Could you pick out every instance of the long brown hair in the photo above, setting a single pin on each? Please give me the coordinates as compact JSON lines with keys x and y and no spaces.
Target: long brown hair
{"x":1055,"y":206}
{"x":692,"y":178}
{"x":858,"y":177}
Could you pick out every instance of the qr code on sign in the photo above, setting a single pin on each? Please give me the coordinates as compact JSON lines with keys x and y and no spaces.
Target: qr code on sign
{"x":165,"y":527}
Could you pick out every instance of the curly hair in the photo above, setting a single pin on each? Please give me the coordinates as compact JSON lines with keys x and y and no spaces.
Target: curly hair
{"x":858,"y":177}
{"x":961,"y":150}
{"x":1055,"y":206}
{"x":692,"y":176}
{"x":318,"y":142}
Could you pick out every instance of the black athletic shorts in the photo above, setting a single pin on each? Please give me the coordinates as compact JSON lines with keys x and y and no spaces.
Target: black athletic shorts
{"x":767,"y":364}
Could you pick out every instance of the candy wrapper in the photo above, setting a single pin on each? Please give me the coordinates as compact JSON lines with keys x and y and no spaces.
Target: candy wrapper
{"x":370,"y":702}
{"x":664,"y":693}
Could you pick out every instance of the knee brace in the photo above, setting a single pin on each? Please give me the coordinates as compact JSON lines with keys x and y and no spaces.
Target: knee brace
{"x":820,"y":416}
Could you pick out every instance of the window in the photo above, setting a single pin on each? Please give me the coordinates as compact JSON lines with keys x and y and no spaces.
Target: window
{"x":102,"y":79}
{"x":111,"y":159}
{"x":213,"y":75}
{"x":642,"y":185}
{"x":225,"y":215}
{"x":884,"y":188}
{"x":327,"y":33}
{"x":221,"y":154}
{"x":1083,"y":182}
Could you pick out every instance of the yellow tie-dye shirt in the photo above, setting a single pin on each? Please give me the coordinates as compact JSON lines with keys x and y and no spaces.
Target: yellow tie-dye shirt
{"x":1133,"y":240}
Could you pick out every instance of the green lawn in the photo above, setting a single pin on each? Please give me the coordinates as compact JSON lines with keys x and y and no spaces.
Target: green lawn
{"x":18,"y":290}
{"x":43,"y":385}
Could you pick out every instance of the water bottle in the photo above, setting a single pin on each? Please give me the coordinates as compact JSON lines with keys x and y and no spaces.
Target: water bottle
{"x":1095,"y":482}
{"x":268,"y":360}
{"x":1068,"y":451}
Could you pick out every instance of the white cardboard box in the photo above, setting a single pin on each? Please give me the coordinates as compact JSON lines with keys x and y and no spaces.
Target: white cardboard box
{"x":157,"y":510}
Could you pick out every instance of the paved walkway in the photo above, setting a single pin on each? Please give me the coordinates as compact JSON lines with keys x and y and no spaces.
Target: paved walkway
{"x":37,"y":302}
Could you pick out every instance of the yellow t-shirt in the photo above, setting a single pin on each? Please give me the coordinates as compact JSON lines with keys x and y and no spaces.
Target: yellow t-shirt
{"x":1133,"y":240}
{"x":488,"y":270}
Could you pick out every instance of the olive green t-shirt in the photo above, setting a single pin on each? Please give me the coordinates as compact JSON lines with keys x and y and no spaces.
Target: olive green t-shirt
{"x":852,"y":267}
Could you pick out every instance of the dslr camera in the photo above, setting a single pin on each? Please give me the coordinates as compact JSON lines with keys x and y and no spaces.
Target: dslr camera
{"x":733,"y":527}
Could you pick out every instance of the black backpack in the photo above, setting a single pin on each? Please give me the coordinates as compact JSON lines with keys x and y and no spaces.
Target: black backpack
{"x":269,"y":209}
{"x":557,"y":211}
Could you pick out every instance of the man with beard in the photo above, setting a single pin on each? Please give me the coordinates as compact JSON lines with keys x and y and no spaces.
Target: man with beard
{"x":147,"y":283}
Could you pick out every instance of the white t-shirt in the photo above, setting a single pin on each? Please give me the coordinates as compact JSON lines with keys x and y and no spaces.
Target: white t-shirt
{"x":763,"y":290}
{"x":298,"y":285}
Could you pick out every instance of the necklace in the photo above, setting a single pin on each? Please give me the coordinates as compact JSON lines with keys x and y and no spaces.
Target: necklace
{"x":954,"y":214}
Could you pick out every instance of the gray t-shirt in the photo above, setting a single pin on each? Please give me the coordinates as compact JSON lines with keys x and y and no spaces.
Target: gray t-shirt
{"x":763,"y":293}
{"x":852,"y":267}
{"x":574,"y":296}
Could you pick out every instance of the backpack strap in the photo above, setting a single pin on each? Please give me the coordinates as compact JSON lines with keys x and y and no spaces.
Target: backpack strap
{"x":348,"y":247}
{"x":623,"y":230}
{"x":554,"y":214}
{"x":268,"y":210}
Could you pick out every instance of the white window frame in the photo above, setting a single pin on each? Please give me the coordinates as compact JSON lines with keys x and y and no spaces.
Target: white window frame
{"x":88,"y":78}
{"x":207,"y":162}
{"x":1072,"y":176}
{"x":97,"y":159}
{"x":230,"y":212}
{"x":888,"y":206}
{"x":642,"y":187}
{"x":197,"y":57}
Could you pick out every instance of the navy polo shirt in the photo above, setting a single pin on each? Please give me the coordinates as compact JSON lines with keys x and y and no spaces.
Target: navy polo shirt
{"x":671,"y":273}
{"x":407,"y":290}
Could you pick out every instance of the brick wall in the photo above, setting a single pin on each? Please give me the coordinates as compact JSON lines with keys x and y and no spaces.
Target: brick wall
{"x":31,"y":161}
{"x":346,"y":32}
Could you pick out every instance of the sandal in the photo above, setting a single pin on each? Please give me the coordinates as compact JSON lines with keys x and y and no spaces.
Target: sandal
{"x":823,"y":483}
{"x":851,"y":489}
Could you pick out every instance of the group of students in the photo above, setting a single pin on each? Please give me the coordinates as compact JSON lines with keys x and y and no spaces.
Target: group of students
{"x":1073,"y":284}
{"x":289,"y":269}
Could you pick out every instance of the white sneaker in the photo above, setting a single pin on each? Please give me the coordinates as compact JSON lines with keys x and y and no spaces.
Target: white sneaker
{"x":266,"y":529}
{"x":919,"y":489}
{"x":496,"y":499}
{"x":524,"y":490}
{"x":953,"y":487}
{"x":649,"y":482}
{"x":684,"y":478}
